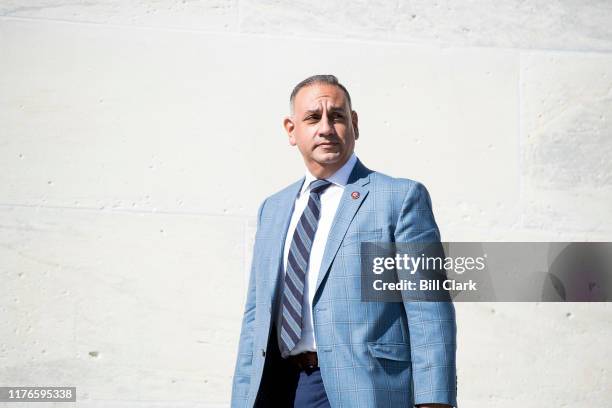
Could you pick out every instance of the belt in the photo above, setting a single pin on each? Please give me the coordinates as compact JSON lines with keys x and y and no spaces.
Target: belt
{"x":304,"y":361}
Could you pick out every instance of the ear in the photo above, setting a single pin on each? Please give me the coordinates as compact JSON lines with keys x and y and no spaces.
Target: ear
{"x":289,"y":126}
{"x":355,"y":121}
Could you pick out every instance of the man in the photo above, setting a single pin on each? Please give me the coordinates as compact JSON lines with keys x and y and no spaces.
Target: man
{"x":307,"y":338}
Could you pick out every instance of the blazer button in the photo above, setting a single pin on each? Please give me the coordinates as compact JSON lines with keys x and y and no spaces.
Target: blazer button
{"x":263,"y":352}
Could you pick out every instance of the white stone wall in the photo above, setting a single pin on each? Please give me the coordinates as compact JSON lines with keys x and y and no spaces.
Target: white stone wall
{"x":137,"y":140}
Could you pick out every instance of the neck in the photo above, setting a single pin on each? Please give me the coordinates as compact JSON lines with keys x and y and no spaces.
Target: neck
{"x":321,"y":171}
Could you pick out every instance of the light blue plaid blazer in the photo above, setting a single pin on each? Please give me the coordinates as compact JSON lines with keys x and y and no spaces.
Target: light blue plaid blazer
{"x":371,"y":354}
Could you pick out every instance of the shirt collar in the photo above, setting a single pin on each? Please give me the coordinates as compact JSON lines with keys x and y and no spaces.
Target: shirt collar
{"x":339,"y":178}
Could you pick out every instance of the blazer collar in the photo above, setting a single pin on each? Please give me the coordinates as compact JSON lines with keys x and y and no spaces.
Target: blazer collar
{"x":354,"y":194}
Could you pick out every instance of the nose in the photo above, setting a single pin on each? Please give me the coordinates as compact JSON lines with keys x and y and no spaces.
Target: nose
{"x":325,"y":126}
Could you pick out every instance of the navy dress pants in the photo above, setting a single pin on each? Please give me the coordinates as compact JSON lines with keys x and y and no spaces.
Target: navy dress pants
{"x":283,"y":385}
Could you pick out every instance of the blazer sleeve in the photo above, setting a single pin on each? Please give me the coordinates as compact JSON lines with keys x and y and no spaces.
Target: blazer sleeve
{"x":431,"y":324}
{"x":243,"y":369}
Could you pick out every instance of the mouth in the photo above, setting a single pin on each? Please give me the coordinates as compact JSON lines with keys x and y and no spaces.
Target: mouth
{"x":327,"y":144}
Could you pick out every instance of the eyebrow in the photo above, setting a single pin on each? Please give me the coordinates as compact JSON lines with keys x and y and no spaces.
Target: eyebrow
{"x":334,"y":109}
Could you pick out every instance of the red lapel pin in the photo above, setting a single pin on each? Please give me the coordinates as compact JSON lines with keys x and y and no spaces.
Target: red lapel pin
{"x":355,"y":195}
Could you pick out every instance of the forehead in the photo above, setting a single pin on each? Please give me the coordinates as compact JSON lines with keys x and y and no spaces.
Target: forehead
{"x":315,"y":95}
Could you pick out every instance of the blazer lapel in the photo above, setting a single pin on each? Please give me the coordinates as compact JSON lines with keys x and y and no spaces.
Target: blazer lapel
{"x":355,"y":192}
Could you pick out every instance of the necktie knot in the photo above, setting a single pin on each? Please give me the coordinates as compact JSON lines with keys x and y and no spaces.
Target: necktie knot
{"x":319,"y":185}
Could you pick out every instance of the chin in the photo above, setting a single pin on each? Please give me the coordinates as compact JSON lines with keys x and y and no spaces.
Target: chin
{"x":329,"y":158}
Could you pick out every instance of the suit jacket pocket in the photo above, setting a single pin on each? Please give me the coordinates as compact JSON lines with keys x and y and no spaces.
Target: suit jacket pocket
{"x":357,"y":237}
{"x":390,"y":351}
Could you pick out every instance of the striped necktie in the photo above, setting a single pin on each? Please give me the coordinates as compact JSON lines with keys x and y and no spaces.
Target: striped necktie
{"x":297,"y":266}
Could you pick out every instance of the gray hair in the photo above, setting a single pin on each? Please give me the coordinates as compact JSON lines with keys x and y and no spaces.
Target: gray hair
{"x":318,"y":79}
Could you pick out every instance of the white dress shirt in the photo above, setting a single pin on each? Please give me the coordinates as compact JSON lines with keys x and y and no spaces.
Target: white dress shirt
{"x":330,"y":199}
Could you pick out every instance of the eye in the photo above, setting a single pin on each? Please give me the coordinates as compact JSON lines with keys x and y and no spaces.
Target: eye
{"x":312,"y":118}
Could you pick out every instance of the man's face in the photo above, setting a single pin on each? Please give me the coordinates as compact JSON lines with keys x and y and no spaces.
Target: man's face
{"x":323,"y":128}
